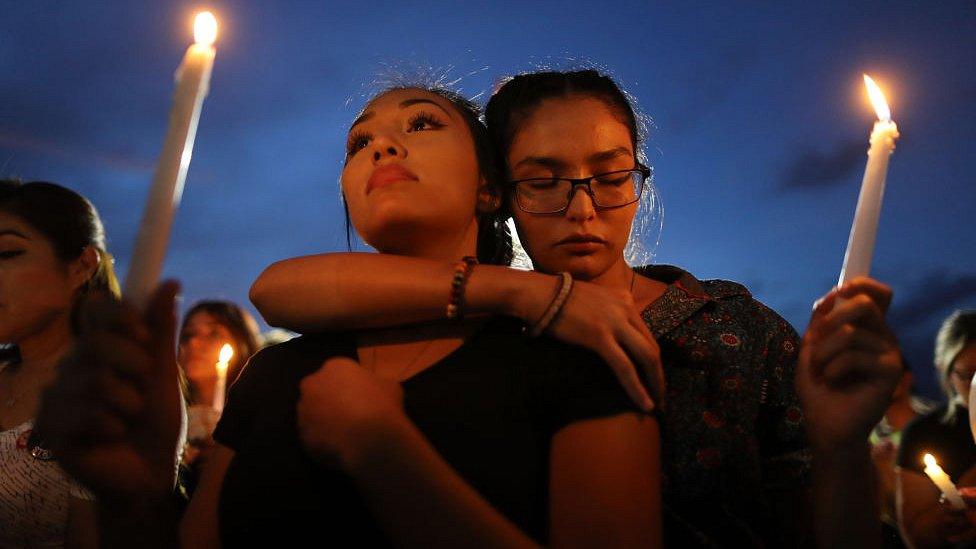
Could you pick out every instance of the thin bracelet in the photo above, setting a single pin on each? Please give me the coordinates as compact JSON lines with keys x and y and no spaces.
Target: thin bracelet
{"x":565,"y":286}
{"x":455,"y":301}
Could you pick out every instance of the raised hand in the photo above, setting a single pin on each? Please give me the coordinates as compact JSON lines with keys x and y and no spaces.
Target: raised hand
{"x":849,"y":364}
{"x":606,"y":321}
{"x":114,"y":415}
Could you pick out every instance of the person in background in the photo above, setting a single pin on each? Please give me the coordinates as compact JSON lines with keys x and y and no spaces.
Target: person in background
{"x":885,"y":439}
{"x":52,"y":259}
{"x":207,"y":327}
{"x":945,"y":433}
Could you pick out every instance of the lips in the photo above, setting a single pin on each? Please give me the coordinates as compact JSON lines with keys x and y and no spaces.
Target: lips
{"x":582,"y":239}
{"x":581,"y":244}
{"x":387,"y":175}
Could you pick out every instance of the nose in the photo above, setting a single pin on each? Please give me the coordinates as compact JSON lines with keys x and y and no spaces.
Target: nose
{"x":387,"y":146}
{"x":580,"y":205}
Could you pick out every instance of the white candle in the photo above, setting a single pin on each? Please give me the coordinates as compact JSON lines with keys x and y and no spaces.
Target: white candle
{"x":943,"y":481}
{"x":192,"y":83}
{"x":860,"y":245}
{"x":220,"y":388}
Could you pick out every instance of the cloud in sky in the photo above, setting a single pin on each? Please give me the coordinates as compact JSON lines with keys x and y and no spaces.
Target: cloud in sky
{"x":936,"y":295}
{"x":813,"y":168}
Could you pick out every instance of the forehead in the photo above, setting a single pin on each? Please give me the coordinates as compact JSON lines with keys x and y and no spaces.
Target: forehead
{"x":392,"y":100}
{"x":570,"y":125}
{"x":202,"y":319}
{"x":10,"y":223}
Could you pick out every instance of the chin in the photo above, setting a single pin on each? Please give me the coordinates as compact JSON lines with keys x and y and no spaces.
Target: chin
{"x":582,"y":267}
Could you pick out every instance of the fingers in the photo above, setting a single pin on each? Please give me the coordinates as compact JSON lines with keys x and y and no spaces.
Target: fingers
{"x":852,"y":366}
{"x":118,"y":354}
{"x":626,"y":374}
{"x":848,"y":338}
{"x":105,"y":315}
{"x":880,"y":293}
{"x":161,"y":320}
{"x":641,"y":345}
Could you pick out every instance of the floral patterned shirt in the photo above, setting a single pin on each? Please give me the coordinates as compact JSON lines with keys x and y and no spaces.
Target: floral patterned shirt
{"x":732,"y":427}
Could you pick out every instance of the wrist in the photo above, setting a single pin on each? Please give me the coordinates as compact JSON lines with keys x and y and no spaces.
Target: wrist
{"x":531,"y":297}
{"x":852,"y":453}
{"x":374,"y":440}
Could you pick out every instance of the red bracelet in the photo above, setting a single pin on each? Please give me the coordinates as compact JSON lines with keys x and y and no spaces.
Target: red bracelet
{"x":455,"y":302}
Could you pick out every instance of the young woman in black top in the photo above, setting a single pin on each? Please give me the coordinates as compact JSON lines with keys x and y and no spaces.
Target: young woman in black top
{"x":435,"y":435}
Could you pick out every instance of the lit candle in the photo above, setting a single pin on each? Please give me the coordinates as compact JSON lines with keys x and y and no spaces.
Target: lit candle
{"x":942,"y":480}
{"x":220,"y":388}
{"x":860,"y":245}
{"x":192,"y":83}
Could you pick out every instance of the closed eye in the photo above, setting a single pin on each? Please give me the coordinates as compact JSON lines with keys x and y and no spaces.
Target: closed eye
{"x":540,"y":184}
{"x":613,"y":179}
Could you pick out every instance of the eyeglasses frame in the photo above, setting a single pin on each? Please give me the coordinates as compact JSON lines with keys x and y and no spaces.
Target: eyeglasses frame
{"x":585,"y":182}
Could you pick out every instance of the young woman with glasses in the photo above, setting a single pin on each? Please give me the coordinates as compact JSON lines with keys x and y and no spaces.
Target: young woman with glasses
{"x":735,"y":456}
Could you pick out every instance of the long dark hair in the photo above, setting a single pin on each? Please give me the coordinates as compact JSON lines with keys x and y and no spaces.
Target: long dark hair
{"x":494,"y":237}
{"x":69,"y":221}
{"x":518,"y":96}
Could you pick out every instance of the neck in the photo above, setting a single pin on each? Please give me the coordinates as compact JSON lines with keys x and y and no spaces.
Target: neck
{"x":619,"y":275}
{"x":446,"y":245}
{"x":48,"y":345}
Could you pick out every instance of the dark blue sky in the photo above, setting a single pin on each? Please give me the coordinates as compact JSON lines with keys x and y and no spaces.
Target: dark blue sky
{"x":760,"y":125}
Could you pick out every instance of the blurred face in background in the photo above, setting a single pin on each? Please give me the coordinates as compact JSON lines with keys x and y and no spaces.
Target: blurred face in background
{"x":200,"y":343}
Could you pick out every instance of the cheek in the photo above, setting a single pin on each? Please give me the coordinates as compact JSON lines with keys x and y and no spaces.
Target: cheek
{"x":619,"y":223}
{"x":31,"y":294}
{"x":533,"y":233}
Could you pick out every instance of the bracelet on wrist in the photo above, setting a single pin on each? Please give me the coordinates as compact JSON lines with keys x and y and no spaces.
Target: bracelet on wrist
{"x":455,"y":301}
{"x":555,"y":306}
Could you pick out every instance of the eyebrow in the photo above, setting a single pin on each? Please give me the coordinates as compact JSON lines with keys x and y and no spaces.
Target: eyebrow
{"x":11,"y":232}
{"x":403,"y":104}
{"x":555,"y":163}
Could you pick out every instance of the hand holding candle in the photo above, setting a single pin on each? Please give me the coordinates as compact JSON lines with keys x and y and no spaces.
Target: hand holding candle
{"x":942,"y":480}
{"x":220,"y":388}
{"x":192,"y":83}
{"x":860,"y":245}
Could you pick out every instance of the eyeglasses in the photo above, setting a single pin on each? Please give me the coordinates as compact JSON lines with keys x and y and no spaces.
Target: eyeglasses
{"x":552,"y":195}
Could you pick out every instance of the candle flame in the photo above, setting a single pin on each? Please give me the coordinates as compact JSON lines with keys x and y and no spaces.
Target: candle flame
{"x":205,"y":28}
{"x":226,"y":352}
{"x":877,"y":99}
{"x":930,"y":460}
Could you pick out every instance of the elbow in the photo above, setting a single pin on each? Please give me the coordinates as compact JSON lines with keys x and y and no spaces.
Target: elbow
{"x":262,"y":293}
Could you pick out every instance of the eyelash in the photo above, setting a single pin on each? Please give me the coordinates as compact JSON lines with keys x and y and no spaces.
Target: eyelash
{"x":358,"y":140}
{"x":10,"y":254}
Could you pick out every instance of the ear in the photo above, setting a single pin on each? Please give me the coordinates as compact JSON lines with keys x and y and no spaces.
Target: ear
{"x":84,"y":267}
{"x":489,"y":198}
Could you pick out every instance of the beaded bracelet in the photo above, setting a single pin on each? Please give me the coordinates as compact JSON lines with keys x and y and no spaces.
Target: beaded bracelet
{"x":555,"y":306}
{"x":455,"y":302}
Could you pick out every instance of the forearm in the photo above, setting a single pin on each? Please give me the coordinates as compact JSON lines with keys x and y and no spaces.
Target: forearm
{"x":364,"y":290}
{"x":420,"y":501}
{"x":845,"y":499}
